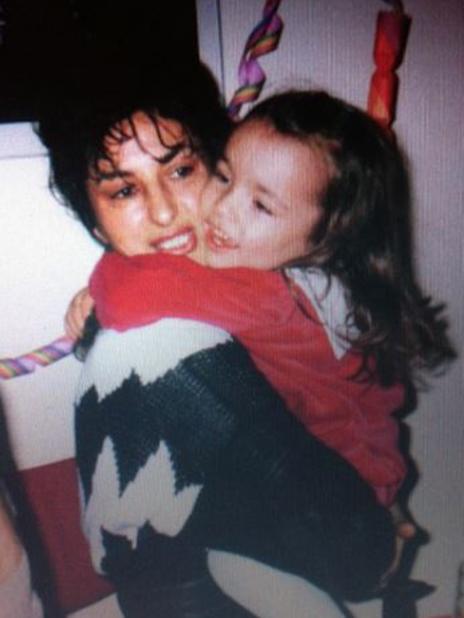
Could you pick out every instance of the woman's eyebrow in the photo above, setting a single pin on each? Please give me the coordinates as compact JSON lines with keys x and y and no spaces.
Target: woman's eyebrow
{"x":120,"y":173}
{"x":171,"y":153}
{"x":113,"y":175}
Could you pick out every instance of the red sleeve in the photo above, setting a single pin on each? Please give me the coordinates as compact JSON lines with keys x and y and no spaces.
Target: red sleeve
{"x":135,"y":291}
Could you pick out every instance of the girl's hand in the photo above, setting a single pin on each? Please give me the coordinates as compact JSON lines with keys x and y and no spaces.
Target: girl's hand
{"x":405,"y":531}
{"x":78,"y":311}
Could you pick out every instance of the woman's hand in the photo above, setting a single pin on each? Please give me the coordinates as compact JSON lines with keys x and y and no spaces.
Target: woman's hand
{"x":78,"y":311}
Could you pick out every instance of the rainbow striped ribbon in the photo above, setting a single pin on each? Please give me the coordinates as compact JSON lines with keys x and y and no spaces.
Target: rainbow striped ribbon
{"x":41,"y":357}
{"x":263,"y":39}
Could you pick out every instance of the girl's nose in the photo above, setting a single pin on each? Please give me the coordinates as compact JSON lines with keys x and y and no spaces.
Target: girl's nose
{"x":225,"y":207}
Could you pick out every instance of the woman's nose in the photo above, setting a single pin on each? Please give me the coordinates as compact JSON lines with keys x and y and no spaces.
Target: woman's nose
{"x":161,"y":209}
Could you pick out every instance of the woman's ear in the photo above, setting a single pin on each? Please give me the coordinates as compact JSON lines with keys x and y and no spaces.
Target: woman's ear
{"x":98,"y":234}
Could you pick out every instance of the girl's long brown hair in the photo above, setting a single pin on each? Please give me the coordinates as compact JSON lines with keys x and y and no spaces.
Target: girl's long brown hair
{"x":363,"y":236}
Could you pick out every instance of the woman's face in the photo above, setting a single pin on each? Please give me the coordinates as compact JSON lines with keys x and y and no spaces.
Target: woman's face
{"x":146,"y":199}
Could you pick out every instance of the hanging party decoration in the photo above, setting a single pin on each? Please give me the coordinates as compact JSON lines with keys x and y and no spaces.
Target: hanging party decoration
{"x":263,"y":39}
{"x":390,"y":42}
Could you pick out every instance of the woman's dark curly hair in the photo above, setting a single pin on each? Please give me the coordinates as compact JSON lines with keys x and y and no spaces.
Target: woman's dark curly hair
{"x":363,"y":236}
{"x":84,"y":113}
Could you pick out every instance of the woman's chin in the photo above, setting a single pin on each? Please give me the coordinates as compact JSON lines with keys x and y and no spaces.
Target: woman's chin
{"x":199,"y":254}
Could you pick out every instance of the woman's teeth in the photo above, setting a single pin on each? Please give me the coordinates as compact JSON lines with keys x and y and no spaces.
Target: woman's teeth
{"x":175,"y":243}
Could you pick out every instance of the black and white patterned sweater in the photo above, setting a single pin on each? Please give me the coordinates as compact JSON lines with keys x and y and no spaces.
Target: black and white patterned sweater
{"x":178,"y":433}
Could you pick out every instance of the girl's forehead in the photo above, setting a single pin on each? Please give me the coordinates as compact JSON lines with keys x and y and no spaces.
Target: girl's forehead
{"x":264,"y":159}
{"x":251,"y":131}
{"x":258,"y":145}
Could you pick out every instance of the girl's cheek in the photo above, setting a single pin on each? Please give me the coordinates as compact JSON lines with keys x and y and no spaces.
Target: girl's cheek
{"x":209,"y":197}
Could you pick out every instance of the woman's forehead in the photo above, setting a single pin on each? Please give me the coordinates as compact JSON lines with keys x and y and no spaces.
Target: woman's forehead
{"x":153,"y":135}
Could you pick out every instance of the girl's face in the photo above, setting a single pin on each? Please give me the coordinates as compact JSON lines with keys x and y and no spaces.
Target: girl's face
{"x":264,"y":200}
{"x":146,"y":199}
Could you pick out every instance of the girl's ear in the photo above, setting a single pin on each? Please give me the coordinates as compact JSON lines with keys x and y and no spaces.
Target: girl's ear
{"x":99,"y":235}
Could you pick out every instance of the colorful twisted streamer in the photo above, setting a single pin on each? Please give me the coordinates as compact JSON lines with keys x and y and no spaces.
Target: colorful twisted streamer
{"x":390,"y":43}
{"x":41,"y":357}
{"x":263,"y":39}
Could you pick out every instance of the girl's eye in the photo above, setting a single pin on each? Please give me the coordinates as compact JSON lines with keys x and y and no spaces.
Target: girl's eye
{"x":262,"y":208}
{"x":222,"y":175}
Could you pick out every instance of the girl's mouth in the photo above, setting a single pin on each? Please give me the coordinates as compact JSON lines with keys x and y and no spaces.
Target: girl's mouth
{"x":180,"y":243}
{"x":217,"y":240}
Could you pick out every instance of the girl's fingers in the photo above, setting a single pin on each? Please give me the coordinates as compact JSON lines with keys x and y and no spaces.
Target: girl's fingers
{"x":78,"y":311}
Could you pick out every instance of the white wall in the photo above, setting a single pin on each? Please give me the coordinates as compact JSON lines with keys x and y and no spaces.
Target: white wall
{"x":329,"y":45}
{"x":46,"y":258}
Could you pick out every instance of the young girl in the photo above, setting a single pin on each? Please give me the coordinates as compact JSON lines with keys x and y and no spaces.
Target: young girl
{"x":305,"y":215}
{"x":306,"y":222}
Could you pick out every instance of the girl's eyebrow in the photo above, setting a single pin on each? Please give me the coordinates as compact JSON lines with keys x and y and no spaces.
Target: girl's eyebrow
{"x":223,"y":159}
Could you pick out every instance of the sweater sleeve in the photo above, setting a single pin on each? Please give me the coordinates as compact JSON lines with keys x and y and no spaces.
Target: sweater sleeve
{"x":136,"y":291}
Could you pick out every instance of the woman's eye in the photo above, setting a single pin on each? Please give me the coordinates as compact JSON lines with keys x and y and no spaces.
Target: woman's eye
{"x":123,"y":193}
{"x":262,"y":208}
{"x":182,"y":171}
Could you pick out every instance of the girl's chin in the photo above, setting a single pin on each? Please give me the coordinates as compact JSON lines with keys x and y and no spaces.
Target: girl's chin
{"x":221,"y":260}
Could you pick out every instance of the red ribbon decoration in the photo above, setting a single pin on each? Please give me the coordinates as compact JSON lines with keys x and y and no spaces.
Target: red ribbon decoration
{"x":390,"y":43}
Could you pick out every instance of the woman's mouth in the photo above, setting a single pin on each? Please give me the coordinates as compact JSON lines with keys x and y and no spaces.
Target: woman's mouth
{"x":180,"y":243}
{"x":217,"y":240}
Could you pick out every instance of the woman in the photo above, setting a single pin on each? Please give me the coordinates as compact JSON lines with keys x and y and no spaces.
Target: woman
{"x":179,"y":405}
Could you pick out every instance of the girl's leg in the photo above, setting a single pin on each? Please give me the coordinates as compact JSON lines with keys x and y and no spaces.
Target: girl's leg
{"x":268,"y":592}
{"x":276,"y":494}
{"x":195,"y":598}
{"x":167,"y":579}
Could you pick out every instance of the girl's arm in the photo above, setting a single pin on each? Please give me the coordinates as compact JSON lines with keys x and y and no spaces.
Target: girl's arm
{"x":137,"y":291}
